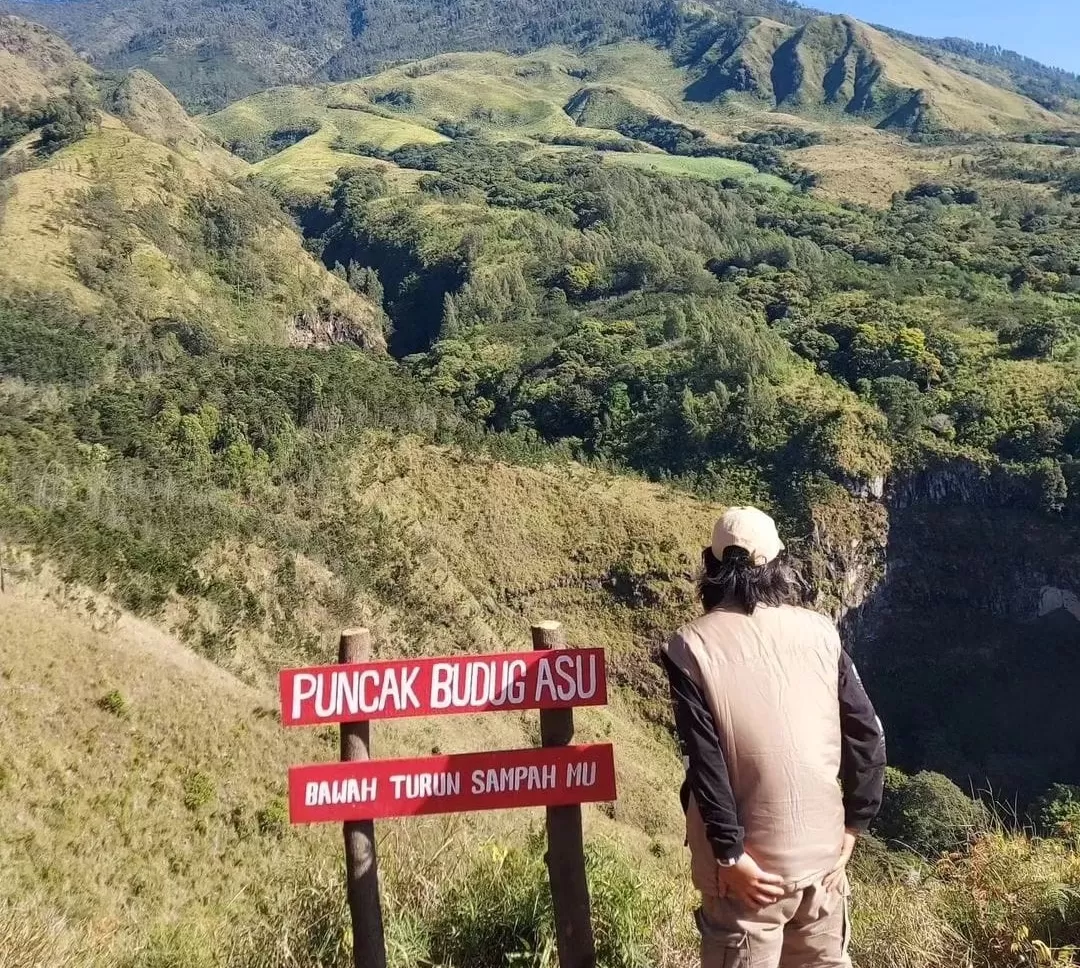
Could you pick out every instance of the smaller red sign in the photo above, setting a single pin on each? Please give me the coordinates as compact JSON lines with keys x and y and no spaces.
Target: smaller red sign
{"x":501,"y":682}
{"x":373,"y":790}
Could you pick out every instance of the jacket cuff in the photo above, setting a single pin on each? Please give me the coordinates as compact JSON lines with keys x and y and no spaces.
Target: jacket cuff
{"x":727,"y":850}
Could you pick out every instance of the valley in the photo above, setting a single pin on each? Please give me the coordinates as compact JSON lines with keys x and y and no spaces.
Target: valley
{"x":321,"y":319}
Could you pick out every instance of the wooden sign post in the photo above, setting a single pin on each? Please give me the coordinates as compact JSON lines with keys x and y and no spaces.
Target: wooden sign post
{"x":359,"y":790}
{"x":566,"y":847}
{"x":361,"y":863}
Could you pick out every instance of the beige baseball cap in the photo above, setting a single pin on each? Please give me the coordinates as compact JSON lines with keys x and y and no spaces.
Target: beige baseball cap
{"x":747,"y":528}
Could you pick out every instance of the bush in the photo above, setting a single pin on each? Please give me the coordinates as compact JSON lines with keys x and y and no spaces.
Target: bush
{"x":198,"y":791}
{"x":273,"y":819}
{"x":1014,"y":901}
{"x":302,"y":924}
{"x":928,"y":813}
{"x":503,"y":904}
{"x":1057,"y":813}
{"x":114,"y":702}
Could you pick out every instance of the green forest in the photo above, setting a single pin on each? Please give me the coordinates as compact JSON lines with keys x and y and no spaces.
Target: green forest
{"x":731,"y":337}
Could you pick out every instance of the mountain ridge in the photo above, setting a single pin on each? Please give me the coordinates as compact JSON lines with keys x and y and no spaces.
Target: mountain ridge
{"x":212,"y":54}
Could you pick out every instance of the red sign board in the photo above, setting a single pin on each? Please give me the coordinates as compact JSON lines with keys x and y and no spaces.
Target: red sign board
{"x":502,"y":682}
{"x":373,"y":790}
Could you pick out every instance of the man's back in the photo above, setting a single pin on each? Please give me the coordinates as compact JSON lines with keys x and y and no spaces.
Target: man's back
{"x":770,"y":680}
{"x":785,"y":756}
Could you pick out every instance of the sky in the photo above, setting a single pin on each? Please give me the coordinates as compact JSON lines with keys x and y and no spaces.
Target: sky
{"x":1048,"y":30}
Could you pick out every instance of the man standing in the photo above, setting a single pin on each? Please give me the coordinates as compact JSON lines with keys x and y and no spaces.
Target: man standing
{"x":770,"y":714}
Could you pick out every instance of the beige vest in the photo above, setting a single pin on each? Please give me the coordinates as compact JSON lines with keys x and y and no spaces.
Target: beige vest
{"x":771,"y":680}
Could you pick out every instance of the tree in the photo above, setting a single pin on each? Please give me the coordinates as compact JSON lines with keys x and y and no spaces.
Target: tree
{"x":365,"y":281}
{"x":1041,"y":338}
{"x":1057,"y":812}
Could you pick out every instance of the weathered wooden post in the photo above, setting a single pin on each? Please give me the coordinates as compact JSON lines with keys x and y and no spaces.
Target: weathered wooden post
{"x":361,"y":866}
{"x":566,"y":848}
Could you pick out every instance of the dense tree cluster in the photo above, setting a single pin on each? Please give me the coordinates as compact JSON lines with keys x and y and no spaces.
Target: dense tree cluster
{"x":58,"y":122}
{"x":725,"y":333}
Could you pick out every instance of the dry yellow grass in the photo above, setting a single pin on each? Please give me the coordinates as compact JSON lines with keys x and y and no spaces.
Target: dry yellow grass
{"x":311,"y":165}
{"x":110,"y":725}
{"x":962,"y":102}
{"x":865,"y":165}
{"x":33,"y":62}
{"x":150,"y":110}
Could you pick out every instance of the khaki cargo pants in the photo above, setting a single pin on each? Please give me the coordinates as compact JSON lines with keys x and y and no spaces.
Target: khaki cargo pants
{"x":806,"y":929}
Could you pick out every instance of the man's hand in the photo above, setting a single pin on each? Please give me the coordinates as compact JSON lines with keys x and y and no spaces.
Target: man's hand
{"x":834,"y":880}
{"x":749,"y":884}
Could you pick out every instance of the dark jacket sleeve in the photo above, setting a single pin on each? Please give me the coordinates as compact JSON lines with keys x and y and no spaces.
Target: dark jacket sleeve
{"x":707,"y":773}
{"x":862,"y":760}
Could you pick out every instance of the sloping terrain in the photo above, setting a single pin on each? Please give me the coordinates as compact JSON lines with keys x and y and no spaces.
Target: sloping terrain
{"x":34,"y":62}
{"x":539,"y":100}
{"x":155,"y":821}
{"x":213,"y":53}
{"x":135,"y":208}
{"x":841,"y":64}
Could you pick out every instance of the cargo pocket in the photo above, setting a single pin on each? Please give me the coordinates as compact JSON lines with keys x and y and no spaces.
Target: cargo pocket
{"x":722,"y":946}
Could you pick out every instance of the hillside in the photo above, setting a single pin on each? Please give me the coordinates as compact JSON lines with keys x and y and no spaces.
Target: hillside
{"x":131,"y":207}
{"x":157,"y":830}
{"x":840,"y":64}
{"x":213,"y":53}
{"x":470,"y":341}
{"x":34,"y":63}
{"x":633,"y":104}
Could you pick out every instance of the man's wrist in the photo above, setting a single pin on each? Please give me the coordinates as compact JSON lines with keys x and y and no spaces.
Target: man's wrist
{"x":729,"y":862}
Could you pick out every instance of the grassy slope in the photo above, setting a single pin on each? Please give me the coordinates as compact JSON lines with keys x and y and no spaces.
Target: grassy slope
{"x":102,"y":837}
{"x":708,"y":169}
{"x":33,"y":62}
{"x":310,"y":166}
{"x":42,"y":221}
{"x":524,"y":98}
{"x":519,"y":98}
{"x":146,"y":150}
{"x":151,"y":833}
{"x":962,"y":102}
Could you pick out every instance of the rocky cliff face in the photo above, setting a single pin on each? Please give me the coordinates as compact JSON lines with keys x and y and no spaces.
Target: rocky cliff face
{"x":965,"y":619}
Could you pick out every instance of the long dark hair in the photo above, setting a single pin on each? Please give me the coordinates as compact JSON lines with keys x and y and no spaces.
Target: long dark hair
{"x":736,"y":580}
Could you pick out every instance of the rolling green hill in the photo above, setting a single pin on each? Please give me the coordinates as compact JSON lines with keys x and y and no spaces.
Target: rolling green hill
{"x":213,"y":53}
{"x":840,"y":64}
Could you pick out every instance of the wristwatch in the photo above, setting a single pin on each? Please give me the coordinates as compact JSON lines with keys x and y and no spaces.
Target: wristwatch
{"x":730,"y":863}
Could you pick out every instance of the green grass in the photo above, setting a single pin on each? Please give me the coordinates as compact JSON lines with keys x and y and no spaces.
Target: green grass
{"x":383,"y":132}
{"x":707,"y":169}
{"x":310,"y":166}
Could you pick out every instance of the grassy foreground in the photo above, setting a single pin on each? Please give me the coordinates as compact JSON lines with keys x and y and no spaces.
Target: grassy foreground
{"x":143,"y":787}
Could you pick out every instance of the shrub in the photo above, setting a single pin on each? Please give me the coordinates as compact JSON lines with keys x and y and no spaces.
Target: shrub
{"x":273,"y":819}
{"x":113,"y":702}
{"x":874,"y":862}
{"x":503,"y":904}
{"x":301,"y":924}
{"x":1057,"y":813}
{"x":1014,"y":901}
{"x":198,"y":791}
{"x":927,"y":813}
